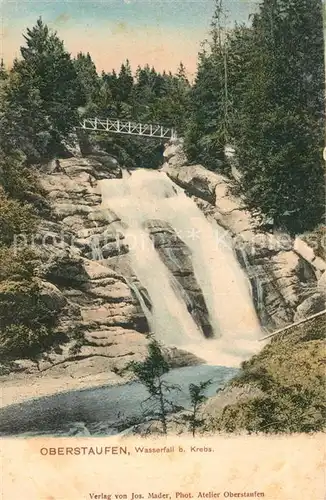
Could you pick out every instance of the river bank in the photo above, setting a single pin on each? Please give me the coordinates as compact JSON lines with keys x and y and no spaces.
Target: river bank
{"x":104,"y":409}
{"x":18,"y":388}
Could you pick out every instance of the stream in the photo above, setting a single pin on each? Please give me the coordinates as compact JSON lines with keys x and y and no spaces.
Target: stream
{"x":102,"y":411}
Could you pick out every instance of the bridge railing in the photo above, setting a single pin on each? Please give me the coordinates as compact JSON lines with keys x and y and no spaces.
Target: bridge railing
{"x":128,"y":127}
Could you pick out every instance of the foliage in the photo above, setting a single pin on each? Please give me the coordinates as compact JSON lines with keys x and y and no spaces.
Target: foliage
{"x":290,"y":376}
{"x":21,"y":303}
{"x":206,"y":132}
{"x":276,"y":83}
{"x":20,"y":341}
{"x":26,"y":319}
{"x":150,"y":373}
{"x":317,"y":240}
{"x":15,"y":219}
{"x":20,"y":183}
{"x":261,"y":88}
{"x":149,"y":97}
{"x":42,"y":96}
{"x":17,"y":266}
{"x":87,"y":78}
{"x":197,"y":398}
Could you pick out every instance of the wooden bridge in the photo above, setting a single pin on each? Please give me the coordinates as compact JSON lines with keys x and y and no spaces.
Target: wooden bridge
{"x":117,"y":126}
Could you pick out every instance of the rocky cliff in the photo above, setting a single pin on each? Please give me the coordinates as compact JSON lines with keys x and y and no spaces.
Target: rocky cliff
{"x":287,"y":277}
{"x":86,"y":275}
{"x":101,"y":323}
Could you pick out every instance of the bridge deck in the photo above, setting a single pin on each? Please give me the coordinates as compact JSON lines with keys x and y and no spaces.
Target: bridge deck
{"x":128,"y":127}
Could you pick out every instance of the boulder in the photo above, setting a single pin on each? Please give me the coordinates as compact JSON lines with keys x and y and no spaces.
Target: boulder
{"x":97,"y":271}
{"x":174,"y":148}
{"x":321,"y":286}
{"x":319,"y":264}
{"x":196,"y":180}
{"x":312,"y":305}
{"x":63,"y":270}
{"x":63,"y":210}
{"x":52,"y":297}
{"x":304,"y":250}
{"x":106,"y":216}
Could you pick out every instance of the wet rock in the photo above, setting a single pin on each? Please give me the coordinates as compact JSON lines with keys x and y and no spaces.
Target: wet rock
{"x":278,"y":267}
{"x":178,"y":358}
{"x":195,"y":179}
{"x":106,"y":216}
{"x":304,"y":250}
{"x":113,"y":249}
{"x":177,"y":257}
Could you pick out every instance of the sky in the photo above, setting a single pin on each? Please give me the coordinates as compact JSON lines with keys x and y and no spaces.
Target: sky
{"x":158,"y":32}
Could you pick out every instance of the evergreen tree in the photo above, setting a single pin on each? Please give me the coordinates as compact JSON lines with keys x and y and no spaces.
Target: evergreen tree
{"x":45,"y":86}
{"x":204,"y":139}
{"x":197,"y":398}
{"x":25,"y":125}
{"x":150,"y":372}
{"x":89,"y":81}
{"x":3,"y":72}
{"x":277,"y":121}
{"x":125,"y":83}
{"x":206,"y":134}
{"x":182,"y":73}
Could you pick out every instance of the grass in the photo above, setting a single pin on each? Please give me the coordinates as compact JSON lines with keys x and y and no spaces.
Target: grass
{"x":289,"y":374}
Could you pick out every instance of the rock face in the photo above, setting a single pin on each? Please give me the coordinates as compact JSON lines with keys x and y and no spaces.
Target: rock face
{"x":283,"y":271}
{"x":312,"y":305}
{"x":101,"y":319}
{"x":177,"y":257}
{"x":86,"y":273}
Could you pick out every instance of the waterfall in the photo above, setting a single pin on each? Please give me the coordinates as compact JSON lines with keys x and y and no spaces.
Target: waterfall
{"x":147,"y":195}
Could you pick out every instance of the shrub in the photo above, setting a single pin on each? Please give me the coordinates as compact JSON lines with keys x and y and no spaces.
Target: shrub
{"x":290,"y":374}
{"x":20,"y":183}
{"x":16,"y":266}
{"x":20,"y":341}
{"x":22,"y":303}
{"x":15,"y":218}
{"x":27,"y":322}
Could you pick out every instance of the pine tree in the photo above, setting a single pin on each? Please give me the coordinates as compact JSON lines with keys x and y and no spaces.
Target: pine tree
{"x":182,"y":73}
{"x":25,"y":125}
{"x":197,"y":399}
{"x":204,"y":139}
{"x":206,"y":135}
{"x":89,"y":81}
{"x":125,"y":83}
{"x":150,"y":373}
{"x":45,"y":79}
{"x":3,"y":71}
{"x":277,"y":121}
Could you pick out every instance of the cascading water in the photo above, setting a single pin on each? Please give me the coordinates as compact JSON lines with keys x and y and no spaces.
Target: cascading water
{"x":147,"y":195}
